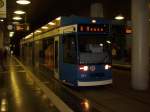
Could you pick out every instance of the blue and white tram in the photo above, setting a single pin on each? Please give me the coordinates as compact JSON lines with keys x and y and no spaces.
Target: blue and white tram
{"x":77,"y":49}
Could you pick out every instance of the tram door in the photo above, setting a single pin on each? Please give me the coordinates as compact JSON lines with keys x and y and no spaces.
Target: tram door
{"x":56,"y":57}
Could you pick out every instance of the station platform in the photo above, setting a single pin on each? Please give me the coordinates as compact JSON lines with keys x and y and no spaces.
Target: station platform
{"x":23,"y":89}
{"x":18,"y":93}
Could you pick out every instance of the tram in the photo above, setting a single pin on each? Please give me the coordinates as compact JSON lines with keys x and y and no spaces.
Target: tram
{"x":76,"y":49}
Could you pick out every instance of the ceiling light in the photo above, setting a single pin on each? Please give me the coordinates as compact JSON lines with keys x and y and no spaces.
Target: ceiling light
{"x":23,"y":2}
{"x":119,"y":17}
{"x":19,"y":12}
{"x":17,"y":18}
{"x":38,"y":31}
{"x":93,"y":21}
{"x":51,"y":23}
{"x":44,"y":27}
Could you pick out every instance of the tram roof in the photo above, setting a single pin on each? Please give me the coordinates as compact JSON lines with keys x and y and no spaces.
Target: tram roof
{"x":64,"y":21}
{"x":82,"y":20}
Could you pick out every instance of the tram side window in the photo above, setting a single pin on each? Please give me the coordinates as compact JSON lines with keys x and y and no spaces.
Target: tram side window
{"x":69,"y":48}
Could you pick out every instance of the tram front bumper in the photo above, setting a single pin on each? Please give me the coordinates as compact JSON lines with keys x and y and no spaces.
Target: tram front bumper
{"x":94,"y":83}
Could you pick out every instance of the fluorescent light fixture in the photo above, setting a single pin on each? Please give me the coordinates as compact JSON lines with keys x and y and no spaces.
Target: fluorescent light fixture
{"x":17,"y":18}
{"x":119,"y":17}
{"x":38,"y":31}
{"x":27,"y":37}
{"x":19,"y":12}
{"x":23,"y":2}
{"x":51,"y":23}
{"x":44,"y":27}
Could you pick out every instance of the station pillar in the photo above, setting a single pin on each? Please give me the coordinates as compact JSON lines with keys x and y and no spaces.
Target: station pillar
{"x":1,"y":38}
{"x":140,"y":50}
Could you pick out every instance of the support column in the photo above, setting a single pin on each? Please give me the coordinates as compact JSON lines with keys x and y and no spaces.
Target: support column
{"x":1,"y":38}
{"x":140,"y":58}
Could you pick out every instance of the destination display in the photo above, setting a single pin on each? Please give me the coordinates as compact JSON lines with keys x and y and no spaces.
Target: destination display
{"x":99,"y":28}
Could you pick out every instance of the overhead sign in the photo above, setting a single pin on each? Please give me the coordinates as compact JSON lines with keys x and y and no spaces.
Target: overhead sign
{"x":22,"y":27}
{"x":2,"y":8}
{"x":128,"y":30}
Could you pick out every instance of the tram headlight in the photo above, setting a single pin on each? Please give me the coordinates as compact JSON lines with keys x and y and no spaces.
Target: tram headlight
{"x":107,"y":67}
{"x":83,"y":68}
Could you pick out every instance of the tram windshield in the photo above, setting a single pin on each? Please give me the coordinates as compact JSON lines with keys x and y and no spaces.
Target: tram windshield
{"x":94,"y":49}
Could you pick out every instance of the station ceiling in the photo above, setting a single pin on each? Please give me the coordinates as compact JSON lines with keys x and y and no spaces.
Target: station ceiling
{"x":40,"y":12}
